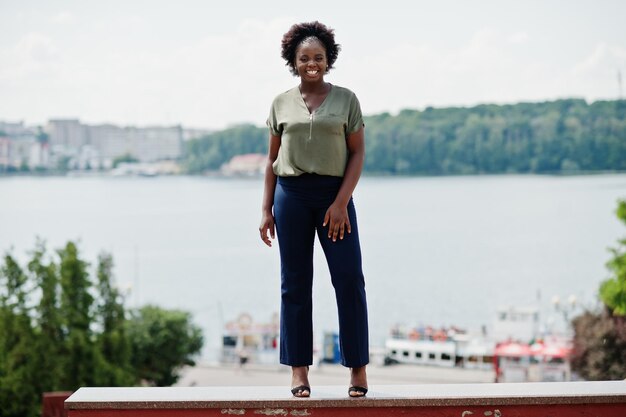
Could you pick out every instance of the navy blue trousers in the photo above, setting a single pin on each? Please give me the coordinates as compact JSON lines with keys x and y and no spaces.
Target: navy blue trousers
{"x":300,"y":204}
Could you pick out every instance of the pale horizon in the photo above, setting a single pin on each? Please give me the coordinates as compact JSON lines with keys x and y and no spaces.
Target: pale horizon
{"x":146,"y":63}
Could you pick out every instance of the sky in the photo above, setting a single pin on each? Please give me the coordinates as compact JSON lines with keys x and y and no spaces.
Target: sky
{"x":211,"y":65}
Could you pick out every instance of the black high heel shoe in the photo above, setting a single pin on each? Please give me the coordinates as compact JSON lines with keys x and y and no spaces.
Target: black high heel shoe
{"x":298,"y":391}
{"x":357,"y":390}
{"x":361,"y":391}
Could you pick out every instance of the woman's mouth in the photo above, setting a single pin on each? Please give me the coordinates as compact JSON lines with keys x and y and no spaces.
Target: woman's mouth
{"x":312,"y":72}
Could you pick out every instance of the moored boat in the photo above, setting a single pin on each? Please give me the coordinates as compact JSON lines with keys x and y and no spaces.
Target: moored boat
{"x":447,"y":347}
{"x":518,"y":348}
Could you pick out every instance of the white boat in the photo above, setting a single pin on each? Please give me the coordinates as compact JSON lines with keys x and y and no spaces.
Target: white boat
{"x":518,"y":349}
{"x":451,"y":347}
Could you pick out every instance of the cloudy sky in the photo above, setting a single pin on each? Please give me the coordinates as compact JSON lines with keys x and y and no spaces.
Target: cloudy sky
{"x":211,"y":64}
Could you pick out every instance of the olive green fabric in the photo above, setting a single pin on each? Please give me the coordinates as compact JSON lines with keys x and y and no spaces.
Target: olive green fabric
{"x":314,"y":143}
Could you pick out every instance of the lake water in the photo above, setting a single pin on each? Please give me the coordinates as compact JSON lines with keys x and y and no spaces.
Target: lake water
{"x":440,"y":251}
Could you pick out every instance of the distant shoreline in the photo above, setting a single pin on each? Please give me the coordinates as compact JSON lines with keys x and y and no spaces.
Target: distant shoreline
{"x":107,"y":174}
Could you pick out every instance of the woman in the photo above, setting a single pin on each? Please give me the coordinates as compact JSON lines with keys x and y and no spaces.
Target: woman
{"x":316,"y":153}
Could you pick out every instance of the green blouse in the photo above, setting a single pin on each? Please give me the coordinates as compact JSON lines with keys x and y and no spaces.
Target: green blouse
{"x":315,"y":142}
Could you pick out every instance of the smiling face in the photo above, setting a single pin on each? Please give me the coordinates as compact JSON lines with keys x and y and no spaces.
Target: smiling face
{"x":311,"y":62}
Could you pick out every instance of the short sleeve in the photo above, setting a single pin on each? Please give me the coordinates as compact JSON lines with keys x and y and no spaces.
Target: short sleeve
{"x":355,"y":117}
{"x":272,"y":121}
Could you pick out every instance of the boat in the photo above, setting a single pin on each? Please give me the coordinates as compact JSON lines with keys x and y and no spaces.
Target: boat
{"x":446,"y":347}
{"x":518,"y":348}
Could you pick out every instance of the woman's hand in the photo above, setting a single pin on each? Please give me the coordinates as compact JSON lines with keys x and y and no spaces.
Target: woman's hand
{"x":337,"y":214}
{"x":267,"y":218}
{"x":267,"y":224}
{"x":336,"y":218}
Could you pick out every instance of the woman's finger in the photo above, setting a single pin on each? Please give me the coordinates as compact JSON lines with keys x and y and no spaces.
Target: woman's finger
{"x":331,"y":224}
{"x":264,"y":229}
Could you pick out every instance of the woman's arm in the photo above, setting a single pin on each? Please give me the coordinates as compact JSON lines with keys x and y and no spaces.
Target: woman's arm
{"x":337,"y":214}
{"x":267,"y":217}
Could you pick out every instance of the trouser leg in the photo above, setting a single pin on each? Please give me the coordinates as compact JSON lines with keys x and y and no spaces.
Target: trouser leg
{"x":344,"y":263}
{"x":295,"y":228}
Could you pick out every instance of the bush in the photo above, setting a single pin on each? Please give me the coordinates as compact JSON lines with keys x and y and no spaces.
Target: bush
{"x":162,"y":342}
{"x":600,"y":338}
{"x":599,"y":346}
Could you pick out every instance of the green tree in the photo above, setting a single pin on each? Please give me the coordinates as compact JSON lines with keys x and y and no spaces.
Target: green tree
{"x":77,"y":312}
{"x":600,"y":337}
{"x":24,"y":166}
{"x":613,"y":290}
{"x":126,"y":158}
{"x":562,"y":136}
{"x":42,"y":136}
{"x":599,"y":346}
{"x":63,"y":163}
{"x":75,"y":332}
{"x":211,"y":151}
{"x":48,"y":319}
{"x":113,"y":343}
{"x":162,"y":342}
{"x":19,"y":395}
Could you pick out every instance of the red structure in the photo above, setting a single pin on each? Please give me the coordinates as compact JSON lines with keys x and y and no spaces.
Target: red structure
{"x":53,"y":404}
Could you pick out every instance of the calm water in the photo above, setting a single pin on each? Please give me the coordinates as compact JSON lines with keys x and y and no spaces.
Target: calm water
{"x":436,"y":250}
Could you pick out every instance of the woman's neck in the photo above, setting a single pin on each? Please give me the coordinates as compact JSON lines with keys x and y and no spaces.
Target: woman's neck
{"x":316,"y":87}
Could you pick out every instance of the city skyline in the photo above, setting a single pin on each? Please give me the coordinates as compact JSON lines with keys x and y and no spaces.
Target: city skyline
{"x":152,"y":63}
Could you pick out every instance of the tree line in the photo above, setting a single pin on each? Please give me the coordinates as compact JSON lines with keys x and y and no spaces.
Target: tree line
{"x":562,"y":136}
{"x":62,"y":327}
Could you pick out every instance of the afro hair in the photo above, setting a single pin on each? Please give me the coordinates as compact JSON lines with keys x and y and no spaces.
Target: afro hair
{"x":301,"y":31}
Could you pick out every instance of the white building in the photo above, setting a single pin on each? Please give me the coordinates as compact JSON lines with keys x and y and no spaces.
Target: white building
{"x":110,"y":141}
{"x":156,"y":143}
{"x":23,"y":151}
{"x":248,"y":165}
{"x":106,"y":142}
{"x":5,"y":152}
{"x":84,"y":146}
{"x":146,"y":144}
{"x":66,"y":133}
{"x":13,"y":129}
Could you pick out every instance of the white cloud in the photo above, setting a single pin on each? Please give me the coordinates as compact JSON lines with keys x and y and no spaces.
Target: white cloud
{"x":119,"y":74}
{"x":35,"y":46}
{"x":518,"y":38}
{"x":30,"y":55}
{"x":214,"y":81}
{"x":485,"y":68}
{"x":595,"y":76}
{"x":603,"y":58}
{"x":63,"y":18}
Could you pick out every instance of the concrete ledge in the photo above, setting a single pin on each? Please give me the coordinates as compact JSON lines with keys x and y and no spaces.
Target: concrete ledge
{"x":564,"y":399}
